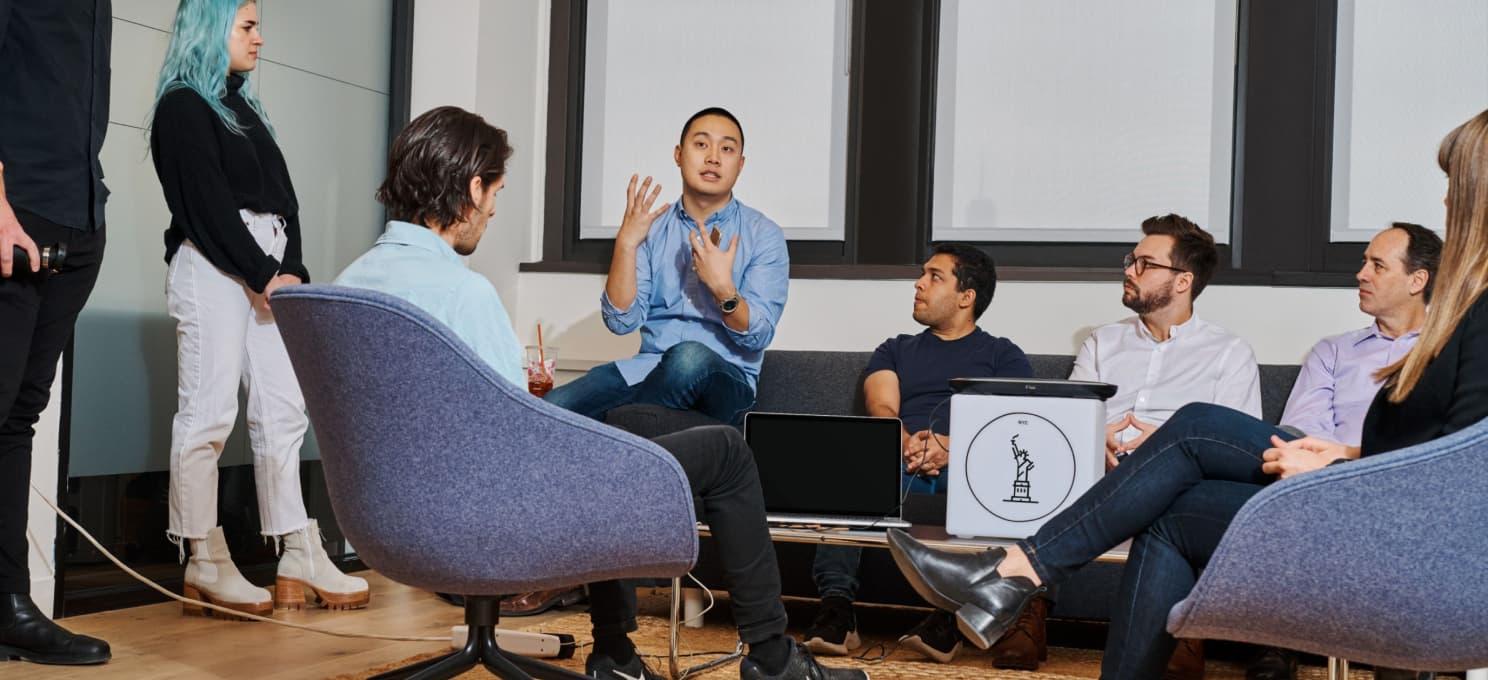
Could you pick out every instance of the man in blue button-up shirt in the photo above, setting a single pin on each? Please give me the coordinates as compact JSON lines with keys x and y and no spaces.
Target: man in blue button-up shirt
{"x":705,"y":280}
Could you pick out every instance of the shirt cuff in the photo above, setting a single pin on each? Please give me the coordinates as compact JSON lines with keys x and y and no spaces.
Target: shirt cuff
{"x":616,"y":317}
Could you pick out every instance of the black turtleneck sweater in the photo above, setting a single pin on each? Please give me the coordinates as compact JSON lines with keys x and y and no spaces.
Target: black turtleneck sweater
{"x":209,"y":172}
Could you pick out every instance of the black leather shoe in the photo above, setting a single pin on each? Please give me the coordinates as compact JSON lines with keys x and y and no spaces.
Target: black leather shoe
{"x":28,"y":635}
{"x":800,"y":666}
{"x":995,"y":606}
{"x":1273,"y":664}
{"x":944,"y":579}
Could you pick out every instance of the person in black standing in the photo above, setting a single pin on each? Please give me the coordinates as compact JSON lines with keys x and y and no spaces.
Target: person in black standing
{"x":54,"y":94}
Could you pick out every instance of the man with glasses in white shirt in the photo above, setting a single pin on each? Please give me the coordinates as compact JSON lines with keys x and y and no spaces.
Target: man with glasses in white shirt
{"x":1166,"y":356}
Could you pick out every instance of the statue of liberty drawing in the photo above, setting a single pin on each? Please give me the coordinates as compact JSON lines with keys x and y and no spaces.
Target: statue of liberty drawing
{"x":1020,"y":481}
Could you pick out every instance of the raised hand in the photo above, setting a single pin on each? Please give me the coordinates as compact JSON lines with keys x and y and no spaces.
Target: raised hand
{"x":638,"y":213}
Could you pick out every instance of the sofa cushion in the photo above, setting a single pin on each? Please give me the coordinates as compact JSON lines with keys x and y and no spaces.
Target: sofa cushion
{"x":1276,"y":386}
{"x":831,"y":383}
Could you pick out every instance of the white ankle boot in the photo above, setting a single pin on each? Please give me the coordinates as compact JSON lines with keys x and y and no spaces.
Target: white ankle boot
{"x":212,"y":577}
{"x":304,"y":566}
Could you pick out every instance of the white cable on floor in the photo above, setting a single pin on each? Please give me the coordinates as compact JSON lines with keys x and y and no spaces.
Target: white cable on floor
{"x":207,"y":605}
{"x":711,"y":601}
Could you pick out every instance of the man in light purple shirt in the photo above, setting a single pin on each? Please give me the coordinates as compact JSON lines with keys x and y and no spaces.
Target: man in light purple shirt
{"x":1337,"y":382}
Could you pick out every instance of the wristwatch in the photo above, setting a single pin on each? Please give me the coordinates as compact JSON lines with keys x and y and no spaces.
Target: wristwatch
{"x":728,"y":306}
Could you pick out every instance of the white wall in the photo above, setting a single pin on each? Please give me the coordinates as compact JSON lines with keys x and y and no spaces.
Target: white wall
{"x":1043,"y":318}
{"x":491,"y":57}
{"x":509,"y":88}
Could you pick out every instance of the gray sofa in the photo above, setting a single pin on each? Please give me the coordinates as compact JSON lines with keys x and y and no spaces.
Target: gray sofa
{"x":832,"y":383}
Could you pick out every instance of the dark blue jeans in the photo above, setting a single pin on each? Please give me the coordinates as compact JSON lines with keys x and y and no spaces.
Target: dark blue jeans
{"x":690,"y":376}
{"x":1175,"y":496}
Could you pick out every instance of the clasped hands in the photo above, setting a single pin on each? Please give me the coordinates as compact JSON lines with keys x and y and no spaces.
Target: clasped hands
{"x":1289,"y":458}
{"x":1115,"y":448}
{"x":926,"y":452}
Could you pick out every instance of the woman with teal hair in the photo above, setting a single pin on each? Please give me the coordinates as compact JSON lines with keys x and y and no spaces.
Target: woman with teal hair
{"x":234,"y":238}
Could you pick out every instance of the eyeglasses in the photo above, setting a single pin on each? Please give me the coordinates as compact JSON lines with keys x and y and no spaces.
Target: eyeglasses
{"x":1139,"y":265}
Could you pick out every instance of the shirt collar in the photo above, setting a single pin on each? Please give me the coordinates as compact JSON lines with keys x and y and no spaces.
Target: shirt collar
{"x":1187,"y":327}
{"x":1373,"y":331}
{"x":415,"y":236}
{"x":726,"y":213}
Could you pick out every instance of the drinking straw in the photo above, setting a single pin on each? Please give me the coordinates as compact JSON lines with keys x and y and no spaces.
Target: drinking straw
{"x":542,"y":359}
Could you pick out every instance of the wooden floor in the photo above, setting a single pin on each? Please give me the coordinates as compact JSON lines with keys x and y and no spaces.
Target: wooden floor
{"x":156,"y":641}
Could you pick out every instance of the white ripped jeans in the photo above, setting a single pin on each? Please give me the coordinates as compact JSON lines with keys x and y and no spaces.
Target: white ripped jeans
{"x":221,"y":339}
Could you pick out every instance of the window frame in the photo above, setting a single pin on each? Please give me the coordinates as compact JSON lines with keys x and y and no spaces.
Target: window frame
{"x":1281,"y":167}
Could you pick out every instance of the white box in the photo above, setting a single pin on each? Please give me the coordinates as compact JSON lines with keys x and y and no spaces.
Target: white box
{"x":1016,"y":461}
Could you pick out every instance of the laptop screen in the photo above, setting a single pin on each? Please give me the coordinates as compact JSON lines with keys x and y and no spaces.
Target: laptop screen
{"x":833,"y":465}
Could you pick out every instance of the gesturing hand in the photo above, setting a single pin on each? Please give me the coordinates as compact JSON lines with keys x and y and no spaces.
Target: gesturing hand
{"x":638,"y":213}
{"x":714,"y":265}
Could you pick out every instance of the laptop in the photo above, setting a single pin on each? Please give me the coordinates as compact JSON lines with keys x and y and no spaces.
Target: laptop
{"x":827,"y":470}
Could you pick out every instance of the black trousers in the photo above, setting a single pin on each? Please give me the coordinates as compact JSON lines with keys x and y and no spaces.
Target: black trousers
{"x":36,"y":318}
{"x":721,"y":471}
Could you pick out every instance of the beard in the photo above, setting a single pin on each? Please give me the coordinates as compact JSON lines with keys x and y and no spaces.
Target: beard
{"x":1147,"y":303}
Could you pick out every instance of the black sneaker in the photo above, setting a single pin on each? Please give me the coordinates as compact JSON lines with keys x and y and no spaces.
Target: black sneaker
{"x":799,"y":666}
{"x":834,"y":632}
{"x":605,"y":668}
{"x":936,"y":637}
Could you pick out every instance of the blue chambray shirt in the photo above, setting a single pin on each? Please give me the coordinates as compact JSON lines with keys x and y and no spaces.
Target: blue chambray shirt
{"x":673,"y":306}
{"x":413,"y":263}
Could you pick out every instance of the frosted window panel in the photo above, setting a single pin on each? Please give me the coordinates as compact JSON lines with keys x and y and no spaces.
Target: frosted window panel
{"x":1074,"y":121}
{"x":1408,"y":71}
{"x":781,"y":66}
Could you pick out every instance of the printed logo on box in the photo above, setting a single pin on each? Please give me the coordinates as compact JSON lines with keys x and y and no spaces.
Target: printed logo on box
{"x":1020,"y":467}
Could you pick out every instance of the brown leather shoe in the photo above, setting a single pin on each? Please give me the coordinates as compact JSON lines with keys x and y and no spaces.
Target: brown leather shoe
{"x":537,"y":602}
{"x":1187,"y":662}
{"x":1026,"y":643}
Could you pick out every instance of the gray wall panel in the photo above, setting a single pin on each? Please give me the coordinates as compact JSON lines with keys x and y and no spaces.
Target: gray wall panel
{"x":343,"y":39}
{"x":334,"y":138}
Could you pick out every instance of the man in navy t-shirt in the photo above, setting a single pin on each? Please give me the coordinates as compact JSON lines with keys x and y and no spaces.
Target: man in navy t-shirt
{"x":909,"y":378}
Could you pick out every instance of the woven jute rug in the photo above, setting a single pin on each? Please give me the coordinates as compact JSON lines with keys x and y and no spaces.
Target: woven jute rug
{"x":718,"y":636}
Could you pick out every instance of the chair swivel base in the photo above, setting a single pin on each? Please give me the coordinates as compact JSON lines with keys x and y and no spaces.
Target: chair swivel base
{"x":481,"y":615}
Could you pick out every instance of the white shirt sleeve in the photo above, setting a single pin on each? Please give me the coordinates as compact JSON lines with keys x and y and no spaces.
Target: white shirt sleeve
{"x":1085,"y":367}
{"x":1240,"y":380}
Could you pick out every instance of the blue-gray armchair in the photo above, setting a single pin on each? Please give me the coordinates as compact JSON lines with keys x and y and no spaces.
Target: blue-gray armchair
{"x":1382,"y":560}
{"x":447,"y":477}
